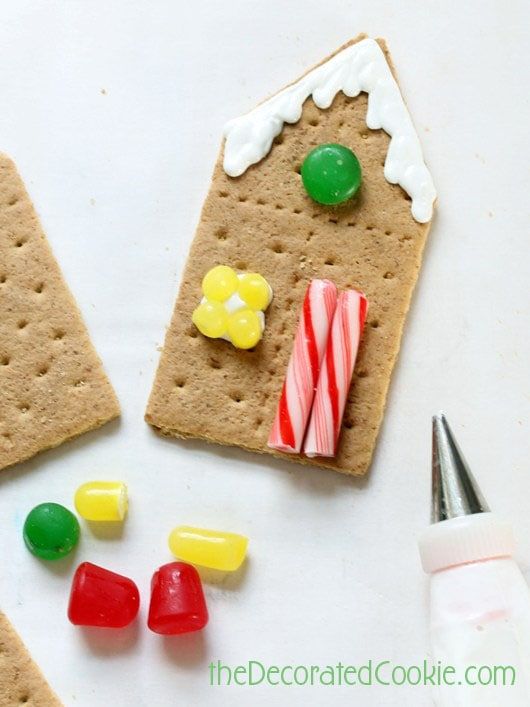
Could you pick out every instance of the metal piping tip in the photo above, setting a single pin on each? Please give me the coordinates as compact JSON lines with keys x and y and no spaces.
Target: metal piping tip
{"x":454,"y":489}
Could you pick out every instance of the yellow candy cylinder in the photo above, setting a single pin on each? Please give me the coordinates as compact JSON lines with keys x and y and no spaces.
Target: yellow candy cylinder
{"x":208,"y":548}
{"x":102,"y":501}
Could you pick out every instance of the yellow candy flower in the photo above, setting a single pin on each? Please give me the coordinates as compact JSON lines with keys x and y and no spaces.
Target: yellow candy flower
{"x":232,"y":306}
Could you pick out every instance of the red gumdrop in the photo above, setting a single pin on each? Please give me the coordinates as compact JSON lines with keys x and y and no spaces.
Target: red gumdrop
{"x":102,"y":598}
{"x":177,"y":600}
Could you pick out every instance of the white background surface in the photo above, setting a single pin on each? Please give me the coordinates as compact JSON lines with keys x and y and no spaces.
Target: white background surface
{"x":118,"y":179}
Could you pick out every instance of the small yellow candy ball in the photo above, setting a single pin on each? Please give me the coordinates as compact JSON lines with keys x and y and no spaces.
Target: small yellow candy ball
{"x":244,"y":328}
{"x":211,"y":319}
{"x":254,"y":291}
{"x":219,"y":283}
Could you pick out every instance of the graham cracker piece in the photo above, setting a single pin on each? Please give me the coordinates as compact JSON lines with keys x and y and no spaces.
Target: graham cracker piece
{"x":21,"y":681}
{"x":263,"y":221}
{"x":52,"y":383}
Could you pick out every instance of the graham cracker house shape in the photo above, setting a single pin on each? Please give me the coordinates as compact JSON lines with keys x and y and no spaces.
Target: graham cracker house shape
{"x":257,"y":217}
{"x":52,"y":383}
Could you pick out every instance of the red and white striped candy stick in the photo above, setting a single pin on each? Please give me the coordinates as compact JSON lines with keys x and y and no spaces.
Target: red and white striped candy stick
{"x":301,"y":379}
{"x":335,"y":376}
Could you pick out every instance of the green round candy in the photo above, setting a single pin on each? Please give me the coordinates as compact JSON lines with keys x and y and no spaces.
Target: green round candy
{"x":331,"y":174}
{"x":51,"y":531}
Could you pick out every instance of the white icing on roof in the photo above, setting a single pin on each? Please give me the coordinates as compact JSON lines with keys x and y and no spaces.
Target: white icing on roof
{"x":358,"y":67}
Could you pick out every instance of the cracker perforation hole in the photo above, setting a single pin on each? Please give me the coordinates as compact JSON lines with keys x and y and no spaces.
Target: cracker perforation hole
{"x":388,"y":233}
{"x":24,"y":408}
{"x":333,"y":219}
{"x":363,"y":373}
{"x":369,"y":228}
{"x":12,"y":201}
{"x":42,"y":371}
{"x":241,"y":265}
{"x":221,"y":234}
{"x":261,"y":202}
{"x":20,"y":242}
{"x":6,"y":443}
{"x":192,"y":333}
{"x":58,"y":334}
{"x":363,"y":134}
{"x":298,"y":168}
{"x":180,"y":382}
{"x":3,"y":279}
{"x":22,"y":323}
{"x":348,"y":424}
{"x":351,"y":224}
{"x":329,"y":261}
{"x":236,"y":397}
{"x":4,"y":360}
{"x":374,"y":323}
{"x":277,"y":248}
{"x":39,"y":288}
{"x":80,"y":383}
{"x":223,"y":194}
{"x":279,"y":207}
{"x":242,"y":198}
{"x":278,"y":140}
{"x":24,"y":699}
{"x":388,"y":275}
{"x":297,"y":211}
{"x":313,"y":122}
{"x":214,"y":363}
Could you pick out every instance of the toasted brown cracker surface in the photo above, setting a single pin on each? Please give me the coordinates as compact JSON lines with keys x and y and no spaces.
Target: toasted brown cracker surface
{"x":21,"y":681}
{"x":52,"y":383}
{"x":264,"y":221}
